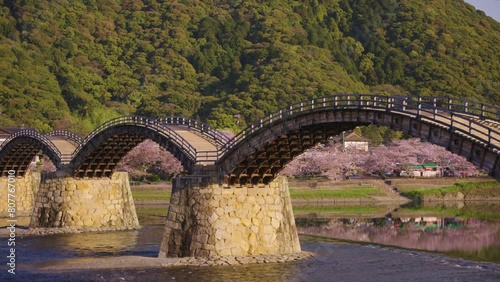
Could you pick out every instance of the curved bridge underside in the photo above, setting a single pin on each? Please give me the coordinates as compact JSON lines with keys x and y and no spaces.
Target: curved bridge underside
{"x":20,"y":150}
{"x":264,"y":148}
{"x":99,"y":155}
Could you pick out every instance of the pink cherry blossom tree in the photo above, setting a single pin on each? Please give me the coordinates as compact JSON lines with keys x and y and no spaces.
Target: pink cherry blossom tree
{"x":335,"y":162}
{"x":147,"y":159}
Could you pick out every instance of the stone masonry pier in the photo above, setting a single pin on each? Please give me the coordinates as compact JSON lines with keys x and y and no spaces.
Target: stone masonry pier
{"x":207,"y":219}
{"x":85,"y":203}
{"x":26,"y":188}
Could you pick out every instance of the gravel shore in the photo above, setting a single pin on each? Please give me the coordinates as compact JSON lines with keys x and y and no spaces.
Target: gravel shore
{"x":126,"y":262}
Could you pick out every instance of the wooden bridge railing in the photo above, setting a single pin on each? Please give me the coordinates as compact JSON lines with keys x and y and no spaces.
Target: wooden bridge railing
{"x":443,"y":111}
{"x":144,"y":122}
{"x":196,"y":125}
{"x":75,"y":138}
{"x":31,"y":133}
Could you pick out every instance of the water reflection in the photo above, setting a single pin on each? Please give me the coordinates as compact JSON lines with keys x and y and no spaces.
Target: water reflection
{"x":424,"y":229}
{"x":99,"y":243}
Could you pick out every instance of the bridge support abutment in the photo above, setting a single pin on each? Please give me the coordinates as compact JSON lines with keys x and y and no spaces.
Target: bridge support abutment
{"x":25,"y":188}
{"x":206,"y":219}
{"x":85,"y":203}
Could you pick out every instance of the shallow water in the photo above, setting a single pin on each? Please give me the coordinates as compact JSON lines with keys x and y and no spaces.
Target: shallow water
{"x":349,"y":248}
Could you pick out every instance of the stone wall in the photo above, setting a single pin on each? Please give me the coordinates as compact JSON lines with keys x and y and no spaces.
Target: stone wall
{"x":207,"y":219}
{"x":87,"y":203}
{"x":26,"y":189}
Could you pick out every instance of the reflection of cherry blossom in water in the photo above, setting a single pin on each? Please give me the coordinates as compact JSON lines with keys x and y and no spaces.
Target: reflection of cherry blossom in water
{"x":467,"y":236}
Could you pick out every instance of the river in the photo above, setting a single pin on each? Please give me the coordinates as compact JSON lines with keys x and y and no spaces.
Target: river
{"x":351,"y":243}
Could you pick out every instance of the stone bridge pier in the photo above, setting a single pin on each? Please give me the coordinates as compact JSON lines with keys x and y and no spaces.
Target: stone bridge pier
{"x":209,"y":219}
{"x":25,"y":187}
{"x":85,"y":203}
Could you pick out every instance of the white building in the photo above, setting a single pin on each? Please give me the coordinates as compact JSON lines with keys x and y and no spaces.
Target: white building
{"x":356,"y":141}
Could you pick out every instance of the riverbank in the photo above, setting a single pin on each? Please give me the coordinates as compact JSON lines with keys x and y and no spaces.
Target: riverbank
{"x":361,"y":191}
{"x":354,"y":191}
{"x":463,"y":190}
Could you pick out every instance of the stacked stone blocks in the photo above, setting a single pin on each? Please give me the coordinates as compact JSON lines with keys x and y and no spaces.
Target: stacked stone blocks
{"x":26,"y":188}
{"x":85,"y":203}
{"x":206,"y":219}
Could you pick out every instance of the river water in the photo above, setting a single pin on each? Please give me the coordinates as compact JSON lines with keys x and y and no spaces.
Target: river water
{"x":351,"y":243}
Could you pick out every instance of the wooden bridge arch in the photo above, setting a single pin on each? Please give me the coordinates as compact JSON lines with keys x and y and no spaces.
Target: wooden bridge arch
{"x":100,"y":152}
{"x":260,"y":151}
{"x":19,"y":150}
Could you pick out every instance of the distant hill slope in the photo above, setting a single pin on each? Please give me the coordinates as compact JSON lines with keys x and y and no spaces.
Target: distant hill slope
{"x":75,"y":64}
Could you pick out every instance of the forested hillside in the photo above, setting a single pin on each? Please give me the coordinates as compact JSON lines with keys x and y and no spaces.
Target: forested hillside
{"x":76,"y":63}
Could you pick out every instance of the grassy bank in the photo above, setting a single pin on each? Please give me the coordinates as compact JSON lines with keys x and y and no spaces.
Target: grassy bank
{"x":142,"y":195}
{"x":489,"y":189}
{"x":347,"y":192}
{"x":418,"y":189}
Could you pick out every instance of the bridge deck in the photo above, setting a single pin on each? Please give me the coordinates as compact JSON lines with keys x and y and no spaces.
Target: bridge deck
{"x":197,"y":141}
{"x":470,"y":124}
{"x":206,"y":149}
{"x":64,"y":146}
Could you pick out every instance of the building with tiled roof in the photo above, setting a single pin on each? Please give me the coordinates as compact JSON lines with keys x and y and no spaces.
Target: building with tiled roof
{"x":354,"y":140}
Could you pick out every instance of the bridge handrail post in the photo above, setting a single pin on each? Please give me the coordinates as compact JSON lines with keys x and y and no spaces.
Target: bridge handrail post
{"x":419,"y":105}
{"x":290,"y":110}
{"x":312,"y":105}
{"x":281,"y":116}
{"x":482,"y":111}
{"x":466,"y":106}
{"x":405,"y":103}
{"x":335,"y":101}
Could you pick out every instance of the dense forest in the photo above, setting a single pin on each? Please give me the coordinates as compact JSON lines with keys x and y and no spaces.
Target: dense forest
{"x":75,"y":64}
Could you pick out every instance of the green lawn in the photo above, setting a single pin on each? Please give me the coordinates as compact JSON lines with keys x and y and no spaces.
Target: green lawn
{"x":474,"y":189}
{"x":151,"y":195}
{"x":348,"y":192}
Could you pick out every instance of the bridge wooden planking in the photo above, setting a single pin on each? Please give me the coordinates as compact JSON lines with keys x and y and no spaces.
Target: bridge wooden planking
{"x":102,"y":161}
{"x":19,"y":160}
{"x":65,"y":146}
{"x":194,"y":138}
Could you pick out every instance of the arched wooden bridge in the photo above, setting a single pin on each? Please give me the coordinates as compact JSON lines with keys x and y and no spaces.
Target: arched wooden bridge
{"x":261,"y":150}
